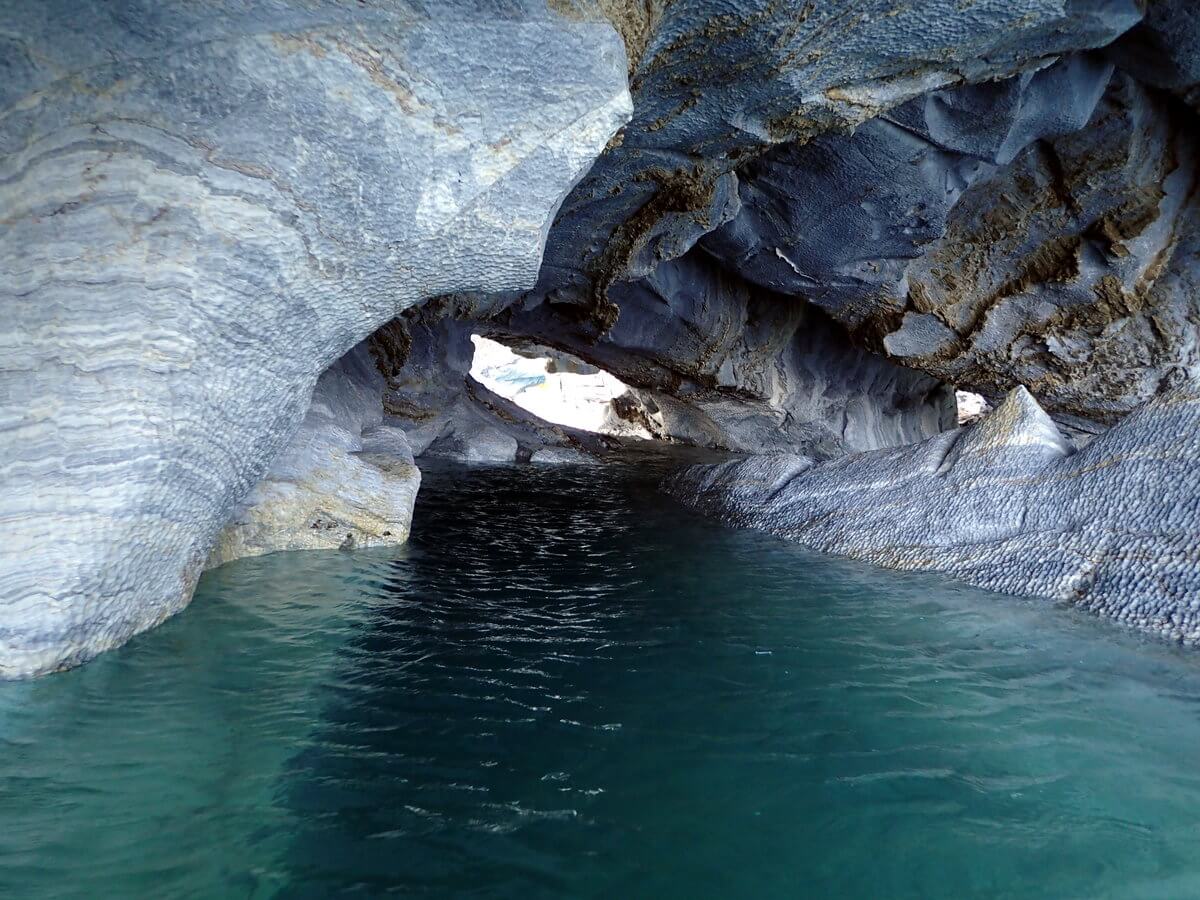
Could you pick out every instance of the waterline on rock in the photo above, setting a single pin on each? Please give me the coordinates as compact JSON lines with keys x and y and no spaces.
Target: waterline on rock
{"x":568,"y":685}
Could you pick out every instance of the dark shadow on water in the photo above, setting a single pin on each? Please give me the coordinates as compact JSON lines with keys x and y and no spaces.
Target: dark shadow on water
{"x":568,"y":685}
{"x":576,"y":688}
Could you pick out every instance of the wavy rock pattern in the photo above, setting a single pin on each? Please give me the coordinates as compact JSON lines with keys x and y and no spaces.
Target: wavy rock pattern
{"x":1005,"y":504}
{"x":720,"y":363}
{"x":195,"y":223}
{"x":718,"y":85}
{"x":779,"y":156}
{"x":817,"y":219}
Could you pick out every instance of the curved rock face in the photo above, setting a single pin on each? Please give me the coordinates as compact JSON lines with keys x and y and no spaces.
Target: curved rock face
{"x":1005,"y":504}
{"x":716,"y":85}
{"x":345,"y":480}
{"x":819,"y":219}
{"x":1163,"y":49}
{"x":201,"y":213}
{"x":1038,"y":231}
{"x":721,"y":363}
{"x":652,"y":266}
{"x":445,"y":413}
{"x":1033,"y":230}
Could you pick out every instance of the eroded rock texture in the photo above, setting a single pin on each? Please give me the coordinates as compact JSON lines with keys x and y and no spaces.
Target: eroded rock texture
{"x":445,"y":413}
{"x":660,"y":265}
{"x":345,"y":480}
{"x":200,"y":211}
{"x":1039,"y":231}
{"x":718,"y":362}
{"x":1006,"y":504}
{"x":818,"y":219}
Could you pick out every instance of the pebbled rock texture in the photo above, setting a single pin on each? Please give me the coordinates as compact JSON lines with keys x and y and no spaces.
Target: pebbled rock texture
{"x":202,"y":210}
{"x":1006,"y":504}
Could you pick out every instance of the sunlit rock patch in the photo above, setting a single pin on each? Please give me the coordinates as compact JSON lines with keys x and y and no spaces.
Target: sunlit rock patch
{"x":556,"y":388}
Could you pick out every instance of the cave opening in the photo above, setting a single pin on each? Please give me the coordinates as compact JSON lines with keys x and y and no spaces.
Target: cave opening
{"x":971,"y":406}
{"x":555,"y":386}
{"x":434,"y":346}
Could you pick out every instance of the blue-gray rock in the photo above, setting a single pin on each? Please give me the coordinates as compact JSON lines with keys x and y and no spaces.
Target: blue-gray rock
{"x":812,"y":150}
{"x":818,"y":220}
{"x":202,"y":209}
{"x":430,"y":395}
{"x":1006,"y":504}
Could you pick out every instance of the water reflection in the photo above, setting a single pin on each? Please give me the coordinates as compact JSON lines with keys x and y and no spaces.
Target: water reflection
{"x":569,"y":686}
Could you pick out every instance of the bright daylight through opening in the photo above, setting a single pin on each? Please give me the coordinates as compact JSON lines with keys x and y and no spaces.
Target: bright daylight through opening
{"x":971,"y":407}
{"x":556,"y":387}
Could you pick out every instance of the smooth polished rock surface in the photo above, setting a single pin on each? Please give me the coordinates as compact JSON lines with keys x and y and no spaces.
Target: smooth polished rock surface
{"x":201,"y":212}
{"x":344,"y":481}
{"x":1006,"y":504}
{"x":718,"y":362}
{"x":1038,"y":231}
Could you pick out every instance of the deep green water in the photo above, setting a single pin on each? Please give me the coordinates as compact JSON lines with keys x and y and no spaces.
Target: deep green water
{"x":568,"y":686}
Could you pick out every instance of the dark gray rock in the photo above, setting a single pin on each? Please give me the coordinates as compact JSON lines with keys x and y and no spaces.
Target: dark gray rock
{"x":1038,"y":231}
{"x":444,"y":413}
{"x":719,"y":362}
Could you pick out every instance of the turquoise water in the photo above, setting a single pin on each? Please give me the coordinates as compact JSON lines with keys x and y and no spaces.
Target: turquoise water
{"x":568,"y":686}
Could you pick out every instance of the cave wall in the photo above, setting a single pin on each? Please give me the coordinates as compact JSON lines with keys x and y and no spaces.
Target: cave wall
{"x":814,"y":219}
{"x":429,"y":394}
{"x":1037,"y":231}
{"x":719,"y":362}
{"x":203,"y":211}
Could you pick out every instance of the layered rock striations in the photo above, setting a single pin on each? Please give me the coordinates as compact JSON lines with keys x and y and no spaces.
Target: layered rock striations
{"x":652,"y":266}
{"x":200,"y":211}
{"x":718,"y":362}
{"x":793,"y":228}
{"x":1032,"y":227}
{"x":1006,"y":504}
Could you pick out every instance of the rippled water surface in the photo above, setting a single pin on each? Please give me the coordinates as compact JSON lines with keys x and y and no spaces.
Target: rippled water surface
{"x":568,"y":686}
